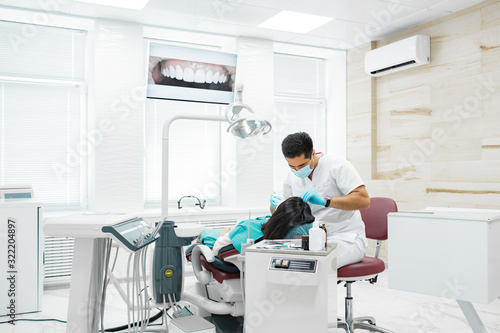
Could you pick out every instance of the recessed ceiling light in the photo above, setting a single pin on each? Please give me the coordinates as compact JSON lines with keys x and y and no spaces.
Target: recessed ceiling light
{"x":294,"y":22}
{"x":128,"y":4}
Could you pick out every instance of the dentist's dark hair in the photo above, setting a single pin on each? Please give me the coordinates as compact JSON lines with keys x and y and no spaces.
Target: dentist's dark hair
{"x":289,"y":214}
{"x":294,"y":145}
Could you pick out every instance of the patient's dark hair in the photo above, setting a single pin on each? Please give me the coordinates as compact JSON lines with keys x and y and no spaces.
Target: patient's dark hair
{"x":289,"y":214}
{"x":294,"y":145}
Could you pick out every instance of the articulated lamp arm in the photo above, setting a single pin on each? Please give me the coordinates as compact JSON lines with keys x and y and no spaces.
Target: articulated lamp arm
{"x":164,"y":160}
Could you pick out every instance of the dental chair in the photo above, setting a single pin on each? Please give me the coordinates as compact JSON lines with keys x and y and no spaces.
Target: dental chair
{"x":218,"y":289}
{"x":375,"y":219}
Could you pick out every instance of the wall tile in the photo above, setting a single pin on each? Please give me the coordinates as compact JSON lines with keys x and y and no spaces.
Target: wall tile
{"x":490,"y":16}
{"x":471,"y":171}
{"x":437,"y":126}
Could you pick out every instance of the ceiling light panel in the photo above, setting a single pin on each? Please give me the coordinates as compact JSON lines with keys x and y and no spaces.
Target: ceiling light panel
{"x":294,"y":22}
{"x":127,"y":4}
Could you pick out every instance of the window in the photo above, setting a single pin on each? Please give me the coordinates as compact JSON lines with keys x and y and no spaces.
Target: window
{"x":42,"y":112}
{"x":192,"y":170}
{"x":299,"y":94}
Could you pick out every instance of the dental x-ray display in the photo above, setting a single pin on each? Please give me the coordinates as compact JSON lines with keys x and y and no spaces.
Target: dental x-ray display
{"x":189,"y":74}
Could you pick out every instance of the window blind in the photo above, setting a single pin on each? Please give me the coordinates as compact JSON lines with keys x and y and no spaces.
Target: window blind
{"x":36,"y":51}
{"x":299,"y":105}
{"x":298,"y":76}
{"x":42,"y":112}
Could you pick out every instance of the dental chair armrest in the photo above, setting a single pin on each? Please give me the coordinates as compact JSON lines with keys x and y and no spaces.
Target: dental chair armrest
{"x":198,"y":251}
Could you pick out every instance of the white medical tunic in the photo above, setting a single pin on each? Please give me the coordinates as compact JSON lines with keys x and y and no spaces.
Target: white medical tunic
{"x":332,"y":177}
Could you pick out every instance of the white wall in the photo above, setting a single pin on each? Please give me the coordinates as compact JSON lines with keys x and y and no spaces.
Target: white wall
{"x":116,"y":89}
{"x":117,"y":84}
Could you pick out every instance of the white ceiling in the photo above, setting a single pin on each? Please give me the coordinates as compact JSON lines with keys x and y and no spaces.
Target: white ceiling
{"x":355,"y":21}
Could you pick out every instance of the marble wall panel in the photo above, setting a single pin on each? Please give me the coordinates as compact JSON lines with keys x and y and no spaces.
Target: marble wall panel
{"x":409,"y":127}
{"x":472,"y":187}
{"x":410,"y":168}
{"x":357,"y":72}
{"x":490,"y":15}
{"x":460,"y":149}
{"x":489,"y":89}
{"x":409,"y":194}
{"x":358,"y":104}
{"x":457,"y":27}
{"x":449,"y":72}
{"x":418,"y":150}
{"x":470,"y":171}
{"x":414,"y":97}
{"x":489,"y":46}
{"x":472,"y":128}
{"x":436,"y":141}
{"x":445,"y":51}
{"x":360,"y":124}
{"x":383,"y":153}
{"x":464,"y":96}
{"x":408,"y":79}
{"x":464,"y":194}
{"x":463,"y":199}
{"x":490,"y":148}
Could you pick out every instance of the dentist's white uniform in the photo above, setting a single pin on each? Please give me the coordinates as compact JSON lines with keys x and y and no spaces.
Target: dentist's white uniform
{"x":334,"y":177}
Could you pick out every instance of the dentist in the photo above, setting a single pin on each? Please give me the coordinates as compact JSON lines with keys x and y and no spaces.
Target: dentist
{"x":335,"y":191}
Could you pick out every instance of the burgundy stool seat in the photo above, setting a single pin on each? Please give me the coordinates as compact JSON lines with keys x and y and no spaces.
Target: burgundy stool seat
{"x":367,"y":266}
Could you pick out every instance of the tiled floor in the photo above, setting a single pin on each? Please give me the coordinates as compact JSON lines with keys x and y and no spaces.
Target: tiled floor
{"x":398,"y":311}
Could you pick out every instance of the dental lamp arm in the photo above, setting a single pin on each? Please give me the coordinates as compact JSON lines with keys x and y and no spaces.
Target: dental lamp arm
{"x":164,"y":162}
{"x":238,"y":105}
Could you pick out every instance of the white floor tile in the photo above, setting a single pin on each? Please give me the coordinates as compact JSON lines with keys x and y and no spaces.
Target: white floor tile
{"x":395,"y":310}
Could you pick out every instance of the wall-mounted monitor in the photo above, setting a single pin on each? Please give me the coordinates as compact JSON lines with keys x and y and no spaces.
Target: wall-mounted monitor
{"x":189,"y":74}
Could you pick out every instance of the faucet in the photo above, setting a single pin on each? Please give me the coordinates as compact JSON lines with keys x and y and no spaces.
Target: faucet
{"x":200,"y":203}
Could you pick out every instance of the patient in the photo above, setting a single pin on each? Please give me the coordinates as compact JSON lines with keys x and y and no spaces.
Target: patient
{"x":292,"y":217}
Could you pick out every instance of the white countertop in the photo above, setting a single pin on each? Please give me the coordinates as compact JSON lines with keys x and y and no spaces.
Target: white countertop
{"x":486,"y":215}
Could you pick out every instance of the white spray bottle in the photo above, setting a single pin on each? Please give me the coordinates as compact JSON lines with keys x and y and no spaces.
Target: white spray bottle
{"x":316,"y":237}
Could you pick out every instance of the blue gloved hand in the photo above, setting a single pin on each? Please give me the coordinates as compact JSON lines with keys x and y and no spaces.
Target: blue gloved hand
{"x":276,"y":199}
{"x":312,"y":196}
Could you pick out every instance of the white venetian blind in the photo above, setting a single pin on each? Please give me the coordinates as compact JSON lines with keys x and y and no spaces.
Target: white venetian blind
{"x":42,"y":112}
{"x":194,"y":152}
{"x":300,"y":105}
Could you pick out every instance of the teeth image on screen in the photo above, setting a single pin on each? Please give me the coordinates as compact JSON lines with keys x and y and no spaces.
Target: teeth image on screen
{"x":190,"y":71}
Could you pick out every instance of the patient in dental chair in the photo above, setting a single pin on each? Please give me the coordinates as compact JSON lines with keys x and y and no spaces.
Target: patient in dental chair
{"x":292,"y":217}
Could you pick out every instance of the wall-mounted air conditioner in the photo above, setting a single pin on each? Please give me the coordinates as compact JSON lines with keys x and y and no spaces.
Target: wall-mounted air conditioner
{"x":406,"y":53}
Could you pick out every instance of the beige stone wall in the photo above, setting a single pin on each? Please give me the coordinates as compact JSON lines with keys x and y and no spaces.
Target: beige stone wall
{"x":430,"y":136}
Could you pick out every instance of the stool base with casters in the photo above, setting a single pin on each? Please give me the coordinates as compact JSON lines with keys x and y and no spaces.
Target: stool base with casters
{"x":375,"y":219}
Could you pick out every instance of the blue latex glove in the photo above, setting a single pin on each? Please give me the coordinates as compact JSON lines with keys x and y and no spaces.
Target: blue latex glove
{"x":312,"y":196}
{"x":276,"y":199}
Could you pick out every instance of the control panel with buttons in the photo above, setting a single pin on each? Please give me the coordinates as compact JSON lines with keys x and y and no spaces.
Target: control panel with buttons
{"x":134,"y":234}
{"x":291,"y":264}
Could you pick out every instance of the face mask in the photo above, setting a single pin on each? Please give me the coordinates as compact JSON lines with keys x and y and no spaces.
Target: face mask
{"x":303,"y":172}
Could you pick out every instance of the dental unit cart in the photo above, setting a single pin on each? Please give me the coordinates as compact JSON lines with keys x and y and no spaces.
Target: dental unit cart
{"x":92,"y":233}
{"x":288,"y":289}
{"x":21,"y":254}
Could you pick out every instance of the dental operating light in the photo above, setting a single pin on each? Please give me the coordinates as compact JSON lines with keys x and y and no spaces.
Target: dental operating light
{"x":243,"y":127}
{"x":238,"y":126}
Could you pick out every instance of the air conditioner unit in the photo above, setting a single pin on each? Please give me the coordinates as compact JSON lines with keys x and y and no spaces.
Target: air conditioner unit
{"x":406,"y":53}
